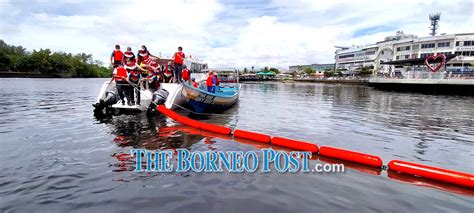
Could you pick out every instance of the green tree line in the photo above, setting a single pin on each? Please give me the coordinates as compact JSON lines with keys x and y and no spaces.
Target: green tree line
{"x":58,"y":64}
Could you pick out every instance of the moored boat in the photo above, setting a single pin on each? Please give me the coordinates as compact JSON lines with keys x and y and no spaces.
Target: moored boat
{"x":201,"y":100}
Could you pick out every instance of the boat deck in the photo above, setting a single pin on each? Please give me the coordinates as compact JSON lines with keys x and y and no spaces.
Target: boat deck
{"x":127,"y":107}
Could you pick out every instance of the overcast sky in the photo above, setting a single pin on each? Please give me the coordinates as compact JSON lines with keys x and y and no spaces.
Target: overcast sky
{"x":225,"y":33}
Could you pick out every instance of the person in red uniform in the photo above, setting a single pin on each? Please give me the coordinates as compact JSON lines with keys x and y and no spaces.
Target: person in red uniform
{"x":168,"y":73}
{"x":120,"y":78}
{"x":117,"y":57}
{"x":195,"y":84}
{"x":134,"y":75}
{"x":143,"y":55}
{"x":210,"y":82}
{"x":128,"y":55}
{"x":154,"y":71}
{"x":185,"y":73}
{"x":178,"y":58}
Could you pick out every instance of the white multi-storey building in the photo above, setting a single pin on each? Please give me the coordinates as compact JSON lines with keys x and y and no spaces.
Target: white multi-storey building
{"x":405,"y":47}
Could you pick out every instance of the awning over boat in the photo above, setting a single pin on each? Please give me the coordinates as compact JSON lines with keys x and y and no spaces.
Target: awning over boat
{"x":417,"y":61}
{"x":265,"y":73}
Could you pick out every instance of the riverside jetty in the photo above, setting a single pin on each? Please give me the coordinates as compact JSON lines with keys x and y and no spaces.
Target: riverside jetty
{"x":432,"y":86}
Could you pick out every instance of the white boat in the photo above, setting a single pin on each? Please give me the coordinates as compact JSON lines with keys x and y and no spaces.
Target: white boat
{"x":173,"y":98}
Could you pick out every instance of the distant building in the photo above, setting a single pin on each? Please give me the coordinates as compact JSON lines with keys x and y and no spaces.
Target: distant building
{"x":296,"y":68}
{"x":317,"y":67}
{"x":403,"y":47}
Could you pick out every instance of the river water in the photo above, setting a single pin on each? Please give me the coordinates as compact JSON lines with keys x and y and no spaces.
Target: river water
{"x":56,"y":156}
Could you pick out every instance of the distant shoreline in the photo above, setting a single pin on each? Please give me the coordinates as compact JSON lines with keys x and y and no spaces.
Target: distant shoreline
{"x":8,"y":74}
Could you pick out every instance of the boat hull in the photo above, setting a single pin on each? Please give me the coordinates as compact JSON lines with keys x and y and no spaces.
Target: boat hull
{"x":202,"y":101}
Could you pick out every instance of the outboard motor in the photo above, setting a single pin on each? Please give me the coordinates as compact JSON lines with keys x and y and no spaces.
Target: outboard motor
{"x":159,"y":97}
{"x":109,"y":100}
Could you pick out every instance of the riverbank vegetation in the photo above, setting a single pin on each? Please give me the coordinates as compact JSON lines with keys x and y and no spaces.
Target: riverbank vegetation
{"x":17,"y":60}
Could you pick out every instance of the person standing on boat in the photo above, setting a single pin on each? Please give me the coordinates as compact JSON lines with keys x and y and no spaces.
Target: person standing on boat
{"x":134,"y":75}
{"x":128,"y":55}
{"x":143,"y":55}
{"x":178,"y":58}
{"x":120,"y":77}
{"x":185,"y":74}
{"x":168,"y":73}
{"x":211,"y":82}
{"x":117,"y":57}
{"x":153,"y":77}
{"x":215,"y":82}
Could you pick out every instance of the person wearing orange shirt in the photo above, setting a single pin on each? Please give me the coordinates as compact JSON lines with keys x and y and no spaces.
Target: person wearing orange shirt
{"x":211,"y":82}
{"x":178,"y":58}
{"x":195,"y":84}
{"x":116,"y":57}
{"x":120,"y":76}
{"x":185,"y":73}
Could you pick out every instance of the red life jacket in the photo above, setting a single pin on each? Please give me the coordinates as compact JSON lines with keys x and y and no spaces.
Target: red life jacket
{"x":168,"y":73}
{"x":153,"y":66}
{"x":129,"y":63}
{"x":118,"y":55}
{"x":209,"y":80}
{"x":195,"y":85}
{"x":135,"y":75}
{"x":142,"y":55}
{"x":121,"y":73}
{"x":129,"y":54}
{"x":178,"y":58}
{"x":185,"y":74}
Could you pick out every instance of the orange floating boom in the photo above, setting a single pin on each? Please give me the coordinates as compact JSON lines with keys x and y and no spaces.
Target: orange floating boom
{"x":170,"y":113}
{"x":294,"y":144}
{"x":357,"y":157}
{"x":216,"y":128}
{"x":252,"y":136}
{"x":190,"y":122}
{"x":434,"y":173}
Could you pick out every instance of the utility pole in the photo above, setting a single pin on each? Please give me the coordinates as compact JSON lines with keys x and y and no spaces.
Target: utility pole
{"x":434,"y":17}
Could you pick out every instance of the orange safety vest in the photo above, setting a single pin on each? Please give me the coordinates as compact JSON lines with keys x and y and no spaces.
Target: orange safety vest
{"x":130,"y":63}
{"x":153,"y":66}
{"x":209,"y":80}
{"x":142,"y":55}
{"x":185,"y":74}
{"x":178,"y":57}
{"x":129,"y":54}
{"x":121,"y":74}
{"x":118,"y":55}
